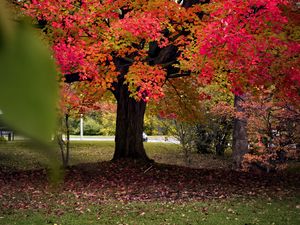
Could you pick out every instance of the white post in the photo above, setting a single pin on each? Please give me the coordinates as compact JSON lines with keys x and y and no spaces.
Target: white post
{"x":81,"y":126}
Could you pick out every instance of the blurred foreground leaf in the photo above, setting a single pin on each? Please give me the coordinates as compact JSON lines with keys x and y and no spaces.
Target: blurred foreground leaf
{"x":28,"y":97}
{"x":27,"y":82}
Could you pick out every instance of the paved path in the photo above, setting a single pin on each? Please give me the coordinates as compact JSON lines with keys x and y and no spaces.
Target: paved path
{"x":161,"y":139}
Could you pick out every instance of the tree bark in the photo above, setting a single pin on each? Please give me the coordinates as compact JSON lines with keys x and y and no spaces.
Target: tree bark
{"x":129,"y":126}
{"x":240,"y":139}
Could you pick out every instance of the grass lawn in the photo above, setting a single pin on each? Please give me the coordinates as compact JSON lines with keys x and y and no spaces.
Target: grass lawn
{"x":83,"y":152}
{"x":95,"y":191}
{"x":231,"y":212}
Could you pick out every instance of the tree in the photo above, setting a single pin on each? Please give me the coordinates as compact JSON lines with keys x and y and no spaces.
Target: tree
{"x":73,"y":103}
{"x":203,"y":114}
{"x":132,"y":48}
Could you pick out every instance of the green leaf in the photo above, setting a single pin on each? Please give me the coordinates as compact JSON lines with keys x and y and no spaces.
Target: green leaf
{"x":28,"y":86}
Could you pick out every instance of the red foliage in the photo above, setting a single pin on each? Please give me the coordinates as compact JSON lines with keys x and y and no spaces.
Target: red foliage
{"x":246,"y":39}
{"x":273,"y":129}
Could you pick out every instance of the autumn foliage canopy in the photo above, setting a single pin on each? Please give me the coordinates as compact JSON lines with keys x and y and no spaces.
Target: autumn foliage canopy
{"x":251,"y":41}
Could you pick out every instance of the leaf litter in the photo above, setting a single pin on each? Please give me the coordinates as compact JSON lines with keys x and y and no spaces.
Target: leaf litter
{"x":126,"y":181}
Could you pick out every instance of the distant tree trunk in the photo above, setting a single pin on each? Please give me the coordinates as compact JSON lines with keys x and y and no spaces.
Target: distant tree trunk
{"x":223,"y":135}
{"x":204,"y":139}
{"x":64,"y":144}
{"x":67,"y":156}
{"x":240,"y":139}
{"x":221,"y":144}
{"x":129,"y":126}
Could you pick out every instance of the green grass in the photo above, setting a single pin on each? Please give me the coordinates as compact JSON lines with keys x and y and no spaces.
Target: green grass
{"x":233,"y":212}
{"x":34,"y":158}
{"x":89,"y":152}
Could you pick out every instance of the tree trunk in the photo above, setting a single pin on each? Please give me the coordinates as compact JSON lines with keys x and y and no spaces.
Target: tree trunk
{"x":240,"y":139}
{"x":67,"y":140}
{"x":129,"y":126}
{"x":64,"y":145}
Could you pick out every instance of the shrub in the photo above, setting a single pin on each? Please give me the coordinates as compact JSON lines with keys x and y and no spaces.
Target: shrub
{"x":91,"y":126}
{"x":273,"y":132}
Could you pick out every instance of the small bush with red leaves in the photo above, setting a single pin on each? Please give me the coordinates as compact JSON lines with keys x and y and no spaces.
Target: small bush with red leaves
{"x":273,"y":132}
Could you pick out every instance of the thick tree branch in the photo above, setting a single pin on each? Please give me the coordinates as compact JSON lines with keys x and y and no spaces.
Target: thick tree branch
{"x":74,"y":77}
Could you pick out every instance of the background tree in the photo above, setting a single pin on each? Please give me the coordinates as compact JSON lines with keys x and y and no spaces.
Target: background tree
{"x":203,"y":115}
{"x":265,"y":62}
{"x":75,"y":101}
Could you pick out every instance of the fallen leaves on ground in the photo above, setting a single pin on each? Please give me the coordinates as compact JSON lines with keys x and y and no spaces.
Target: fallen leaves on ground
{"x":126,"y":181}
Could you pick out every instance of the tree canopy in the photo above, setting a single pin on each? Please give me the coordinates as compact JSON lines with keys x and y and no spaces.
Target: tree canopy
{"x":146,"y":42}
